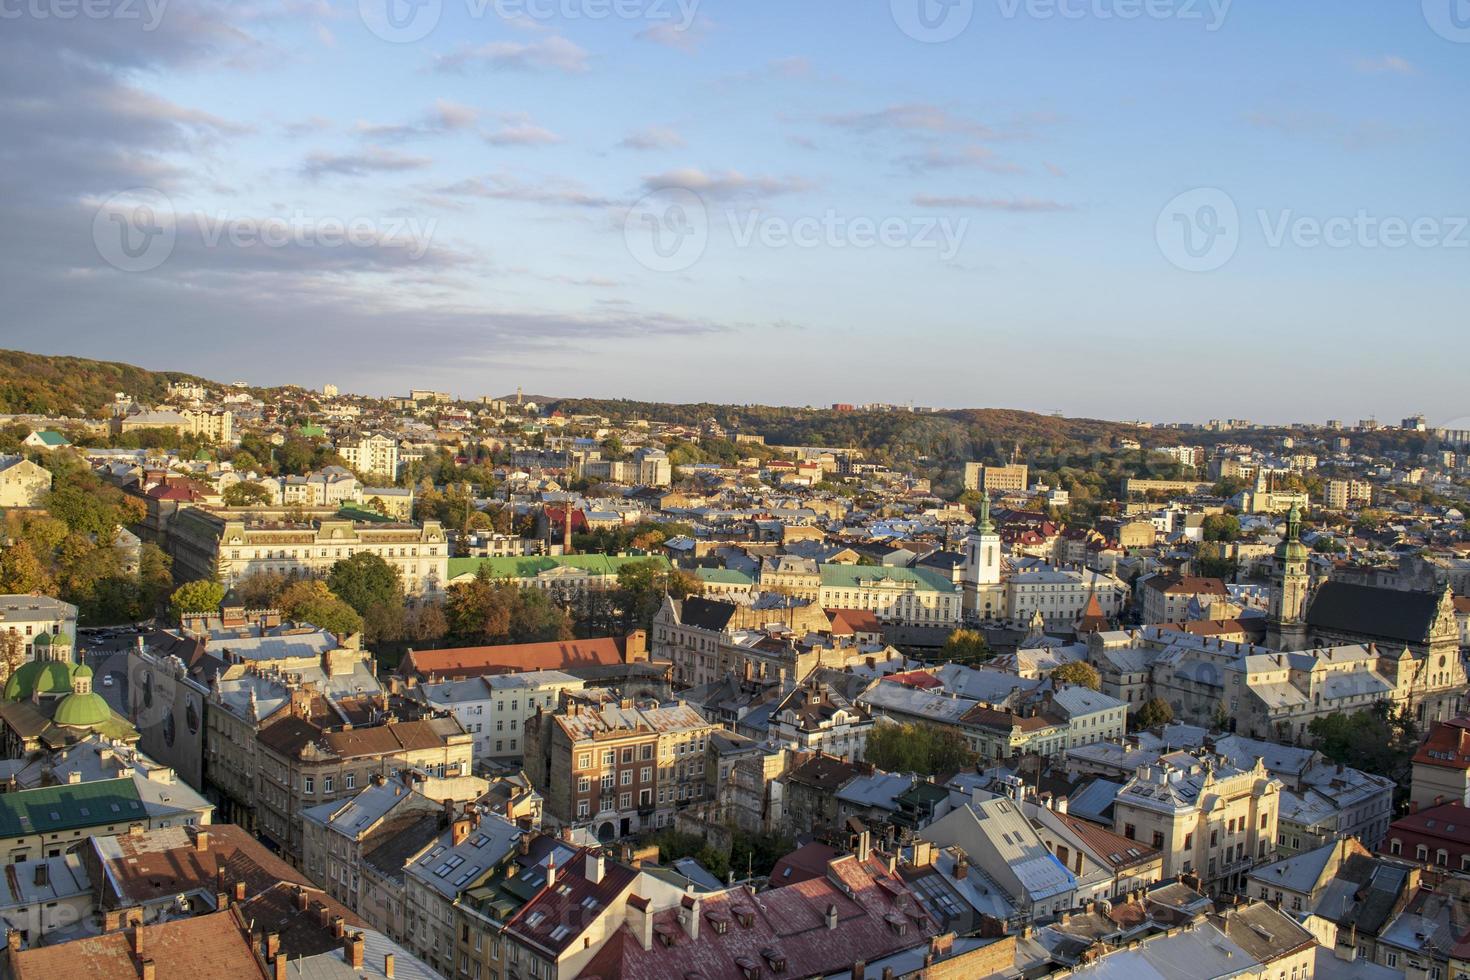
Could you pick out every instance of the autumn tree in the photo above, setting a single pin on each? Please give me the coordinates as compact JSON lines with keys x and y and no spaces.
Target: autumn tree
{"x":245,"y":494}
{"x":1078,"y":672}
{"x":1153,"y":713}
{"x":200,"y":596}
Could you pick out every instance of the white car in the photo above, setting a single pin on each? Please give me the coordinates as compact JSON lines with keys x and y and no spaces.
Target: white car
{"x":106,"y":680}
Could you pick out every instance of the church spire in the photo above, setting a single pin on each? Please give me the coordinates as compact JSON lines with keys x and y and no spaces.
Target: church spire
{"x":984,"y":526}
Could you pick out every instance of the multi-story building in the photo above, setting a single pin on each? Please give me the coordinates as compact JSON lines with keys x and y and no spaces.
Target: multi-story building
{"x":995,"y":479}
{"x":1208,"y":818}
{"x":1062,"y":595}
{"x":699,"y":636}
{"x":494,"y":708}
{"x":1441,"y":766}
{"x":618,"y":768}
{"x":22,"y":483}
{"x":819,"y":717}
{"x":30,"y":616}
{"x":1179,"y":599}
{"x":907,"y":596}
{"x":371,"y":455}
{"x":205,"y":544}
{"x":1345,"y":494}
{"x":791,"y":575}
{"x":301,"y":764}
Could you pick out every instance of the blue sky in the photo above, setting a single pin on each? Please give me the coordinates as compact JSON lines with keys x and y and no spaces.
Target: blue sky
{"x":1031,"y":180}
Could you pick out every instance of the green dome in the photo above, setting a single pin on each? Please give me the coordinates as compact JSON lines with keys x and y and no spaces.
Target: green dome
{"x":49,"y":677}
{"x":82,"y":671}
{"x":82,"y":711}
{"x":44,"y":640}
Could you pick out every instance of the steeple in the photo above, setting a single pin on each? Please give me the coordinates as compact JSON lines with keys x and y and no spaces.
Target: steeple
{"x":983,"y":526}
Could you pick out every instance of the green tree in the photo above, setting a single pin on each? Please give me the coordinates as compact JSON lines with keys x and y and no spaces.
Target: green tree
{"x":1153,"y":713}
{"x":310,"y":601}
{"x":966,"y":646}
{"x":22,"y":572}
{"x":364,"y":580}
{"x":1221,"y":527}
{"x":200,"y":596}
{"x":245,"y":494}
{"x":925,"y":749}
{"x":1078,"y":672}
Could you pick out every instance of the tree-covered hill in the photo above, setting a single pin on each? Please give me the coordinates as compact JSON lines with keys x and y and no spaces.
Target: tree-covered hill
{"x":46,"y":384}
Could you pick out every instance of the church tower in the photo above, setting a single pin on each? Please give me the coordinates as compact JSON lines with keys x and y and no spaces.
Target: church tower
{"x":980,"y":574}
{"x":1287,"y":624}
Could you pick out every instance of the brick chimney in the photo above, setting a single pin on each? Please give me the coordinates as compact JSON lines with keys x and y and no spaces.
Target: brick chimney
{"x":272,"y":944}
{"x":388,"y":966}
{"x":459,"y":830}
{"x":201,"y":841}
{"x":147,"y":971}
{"x":961,"y":868}
{"x":239,"y":891}
{"x":137,"y":939}
{"x":339,"y":928}
{"x":302,"y":899}
{"x":280,"y":964}
{"x":352,"y":950}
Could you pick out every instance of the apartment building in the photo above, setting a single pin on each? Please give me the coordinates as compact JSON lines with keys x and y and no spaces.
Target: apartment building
{"x":203,"y":541}
{"x":493,"y":709}
{"x":1061,"y":595}
{"x":1181,"y":599}
{"x":371,"y":455}
{"x":301,"y":764}
{"x":995,"y":479}
{"x":618,"y":768}
{"x":1346,"y":494}
{"x":1207,"y":817}
{"x":31,"y":616}
{"x":22,"y":483}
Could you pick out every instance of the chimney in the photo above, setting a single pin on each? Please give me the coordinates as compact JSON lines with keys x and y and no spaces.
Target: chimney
{"x":594,"y":867}
{"x":301,"y":899}
{"x":137,"y":939}
{"x":339,"y":927}
{"x":41,"y":873}
{"x":388,"y":966}
{"x":353,"y":950}
{"x":459,"y":830}
{"x":280,"y":965}
{"x":831,"y":920}
{"x":689,"y":913}
{"x":201,"y":841}
{"x":859,"y":970}
{"x":640,"y":920}
{"x":550,"y":871}
{"x":221,"y":901}
{"x":147,"y":971}
{"x":12,"y":940}
{"x":239,"y":891}
{"x":961,"y":868}
{"x":272,"y":944}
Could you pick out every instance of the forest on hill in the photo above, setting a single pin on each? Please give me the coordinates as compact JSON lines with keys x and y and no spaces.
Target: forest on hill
{"x":43,"y":384}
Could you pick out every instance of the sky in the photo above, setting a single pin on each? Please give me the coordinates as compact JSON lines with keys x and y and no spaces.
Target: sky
{"x":1156,"y":209}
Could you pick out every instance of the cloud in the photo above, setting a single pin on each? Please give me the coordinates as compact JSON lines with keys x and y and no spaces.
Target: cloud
{"x":552,"y":53}
{"x":1024,"y":205}
{"x":681,"y":37}
{"x":652,"y":138}
{"x":1390,"y":64}
{"x":729,"y":184}
{"x":443,"y":117}
{"x":911,"y":118}
{"x":522,"y":134}
{"x":551,"y":192}
{"x":969,"y":157}
{"x":1327,"y":128}
{"x":374,"y":159}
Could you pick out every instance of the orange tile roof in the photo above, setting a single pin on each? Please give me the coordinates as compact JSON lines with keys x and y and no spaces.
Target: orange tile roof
{"x":514,"y":658}
{"x":214,"y":945}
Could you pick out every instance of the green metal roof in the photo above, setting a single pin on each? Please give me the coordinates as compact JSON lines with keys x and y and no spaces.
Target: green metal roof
{"x":45,"y":676}
{"x":723,"y":576}
{"x":858,"y":576}
{"x":531,"y":566}
{"x":82,"y":711}
{"x":50,"y":809}
{"x":50,"y":438}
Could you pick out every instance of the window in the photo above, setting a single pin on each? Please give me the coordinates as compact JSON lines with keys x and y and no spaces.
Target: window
{"x":609,"y":757}
{"x":625,"y":778}
{"x":1159,"y":839}
{"x":1421,"y":852}
{"x":350,"y":780}
{"x":326,"y":784}
{"x":308,"y":785}
{"x":1129,"y":832}
{"x":1189,"y":842}
{"x":625,"y":800}
{"x":583,"y":784}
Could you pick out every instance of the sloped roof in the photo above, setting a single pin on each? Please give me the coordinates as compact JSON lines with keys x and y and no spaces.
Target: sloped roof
{"x":1367,"y":610}
{"x":513,"y":657}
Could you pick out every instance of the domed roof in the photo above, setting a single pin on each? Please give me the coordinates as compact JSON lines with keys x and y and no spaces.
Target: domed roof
{"x":44,"y":640}
{"x":82,"y":671}
{"x":82,"y":711}
{"x":48,"y":677}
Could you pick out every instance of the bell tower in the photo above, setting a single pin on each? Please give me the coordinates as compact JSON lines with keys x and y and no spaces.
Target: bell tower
{"x":980,"y":573}
{"x":1286,"y":627}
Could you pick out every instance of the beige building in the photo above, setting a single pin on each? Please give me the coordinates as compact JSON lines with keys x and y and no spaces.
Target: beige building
{"x":375,"y":455}
{"x":1342,"y":494}
{"x":1206,"y":817}
{"x":22,"y":483}
{"x":204,"y":543}
{"x":995,"y":479}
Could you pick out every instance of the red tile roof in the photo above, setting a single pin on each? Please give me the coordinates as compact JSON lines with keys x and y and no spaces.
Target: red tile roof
{"x":915,"y":678}
{"x":1447,"y":822}
{"x":1448,"y":745}
{"x":215,"y":945}
{"x":513,"y":658}
{"x":847,"y":621}
{"x":857,"y":911}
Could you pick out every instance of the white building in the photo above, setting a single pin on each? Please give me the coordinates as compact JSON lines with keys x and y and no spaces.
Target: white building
{"x":494,"y":709}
